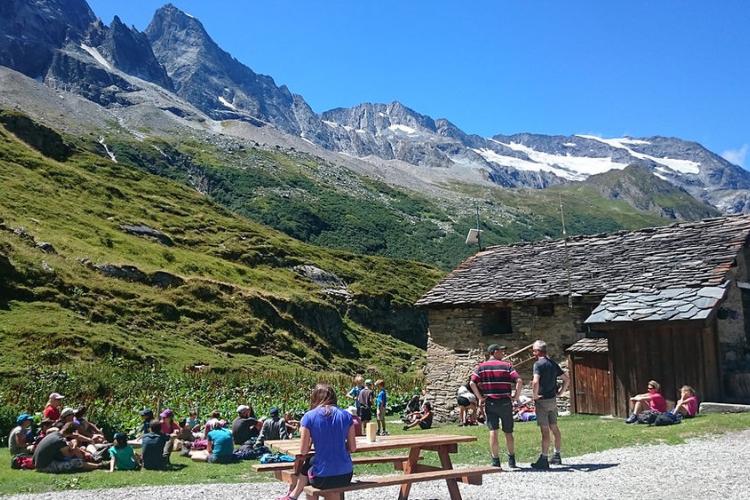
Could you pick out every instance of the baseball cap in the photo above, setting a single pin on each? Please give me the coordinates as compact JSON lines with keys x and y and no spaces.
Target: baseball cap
{"x":274,"y":412}
{"x":495,"y":347}
{"x":368,"y":381}
{"x":352,"y":410}
{"x":166,"y":413}
{"x":56,"y":395}
{"x":120,"y":436}
{"x":67,"y":412}
{"x":242,"y":408}
{"x":23,"y":417}
{"x":146,"y":413}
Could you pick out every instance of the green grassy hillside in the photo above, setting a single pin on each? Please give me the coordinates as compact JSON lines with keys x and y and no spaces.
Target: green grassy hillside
{"x":235,"y":298}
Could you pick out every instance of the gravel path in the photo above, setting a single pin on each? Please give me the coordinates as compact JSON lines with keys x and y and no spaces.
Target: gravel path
{"x":707,"y":467}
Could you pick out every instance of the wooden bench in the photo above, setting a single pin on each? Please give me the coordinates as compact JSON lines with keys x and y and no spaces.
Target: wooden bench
{"x":278,"y":469}
{"x":471,"y":475}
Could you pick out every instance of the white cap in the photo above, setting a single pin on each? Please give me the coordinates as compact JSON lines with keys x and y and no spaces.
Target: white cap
{"x":66,"y":412}
{"x":352,"y":410}
{"x":242,"y":408}
{"x":56,"y":395}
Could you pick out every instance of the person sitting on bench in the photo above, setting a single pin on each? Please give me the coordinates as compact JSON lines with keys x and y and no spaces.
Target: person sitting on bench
{"x":329,"y":429}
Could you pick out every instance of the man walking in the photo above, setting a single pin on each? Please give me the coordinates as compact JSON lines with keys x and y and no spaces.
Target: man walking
{"x":545,"y":392}
{"x":492,"y":383}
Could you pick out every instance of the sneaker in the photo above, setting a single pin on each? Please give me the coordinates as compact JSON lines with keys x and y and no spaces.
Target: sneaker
{"x":541,"y":463}
{"x":496,"y":461}
{"x":406,"y":427}
{"x":631,"y":419}
{"x":556,"y":459}
{"x":512,"y":461}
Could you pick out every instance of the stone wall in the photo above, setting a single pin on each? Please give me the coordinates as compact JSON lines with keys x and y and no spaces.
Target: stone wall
{"x":734,"y":350}
{"x":456,"y":344}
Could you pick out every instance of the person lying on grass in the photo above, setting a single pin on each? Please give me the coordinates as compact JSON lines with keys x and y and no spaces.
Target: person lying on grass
{"x":122,"y":456}
{"x":424,"y":420}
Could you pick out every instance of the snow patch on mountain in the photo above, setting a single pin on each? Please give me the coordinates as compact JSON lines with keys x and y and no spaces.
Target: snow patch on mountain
{"x":227,"y":104}
{"x":683,"y":166}
{"x":97,"y":56}
{"x":571,"y":167}
{"x":398,"y":127}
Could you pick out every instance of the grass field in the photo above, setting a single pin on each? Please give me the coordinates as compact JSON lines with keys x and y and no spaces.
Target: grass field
{"x":581,"y":435}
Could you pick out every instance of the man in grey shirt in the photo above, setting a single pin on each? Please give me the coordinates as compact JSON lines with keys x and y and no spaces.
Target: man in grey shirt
{"x":544,"y":389}
{"x":274,"y":428}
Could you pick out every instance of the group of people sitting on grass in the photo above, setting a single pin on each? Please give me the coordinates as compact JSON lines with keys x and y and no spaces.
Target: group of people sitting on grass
{"x":67,"y":441}
{"x":651,"y":407}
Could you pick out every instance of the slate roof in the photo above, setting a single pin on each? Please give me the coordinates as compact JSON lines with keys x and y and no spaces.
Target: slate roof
{"x":684,"y":255}
{"x":589,"y":345}
{"x":669,"y":304}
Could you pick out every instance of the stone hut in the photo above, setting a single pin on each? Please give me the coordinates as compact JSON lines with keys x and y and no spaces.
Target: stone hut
{"x":685,"y":279}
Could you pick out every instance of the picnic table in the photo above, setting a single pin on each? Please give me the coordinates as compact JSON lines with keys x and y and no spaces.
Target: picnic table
{"x":413,"y":471}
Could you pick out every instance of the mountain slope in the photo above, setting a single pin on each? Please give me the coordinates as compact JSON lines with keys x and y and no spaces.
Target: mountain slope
{"x":640,"y":188}
{"x":102,"y":260}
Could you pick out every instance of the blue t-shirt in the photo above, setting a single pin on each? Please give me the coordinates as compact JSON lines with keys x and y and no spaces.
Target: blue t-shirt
{"x":222,"y":443}
{"x":329,"y":432}
{"x":381,"y":399}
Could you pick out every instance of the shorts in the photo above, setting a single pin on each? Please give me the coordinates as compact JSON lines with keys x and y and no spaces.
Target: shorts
{"x":59,"y":466}
{"x":365,"y":413}
{"x":324,"y":482}
{"x":499,"y":411}
{"x":462,"y":401}
{"x":546,"y":412}
{"x":425,"y":425}
{"x":229,"y":459}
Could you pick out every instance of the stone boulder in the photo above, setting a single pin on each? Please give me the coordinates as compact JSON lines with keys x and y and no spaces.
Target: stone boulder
{"x":147,"y":232}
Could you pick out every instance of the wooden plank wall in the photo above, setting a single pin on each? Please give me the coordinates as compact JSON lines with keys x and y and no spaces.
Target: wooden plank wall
{"x":591,"y":387}
{"x":672,"y":353}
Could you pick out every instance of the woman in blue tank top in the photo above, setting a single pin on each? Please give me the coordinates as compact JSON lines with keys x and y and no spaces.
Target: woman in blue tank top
{"x":328,"y":429}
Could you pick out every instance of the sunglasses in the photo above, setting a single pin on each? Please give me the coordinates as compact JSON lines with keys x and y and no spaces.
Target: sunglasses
{"x":651,"y":387}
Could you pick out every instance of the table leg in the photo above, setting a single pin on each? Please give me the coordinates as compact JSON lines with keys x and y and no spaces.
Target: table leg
{"x":445,"y":462}
{"x":409,"y":467}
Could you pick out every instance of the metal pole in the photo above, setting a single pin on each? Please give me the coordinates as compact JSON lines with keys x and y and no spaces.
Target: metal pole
{"x":567,"y":261}
{"x":479,"y":232}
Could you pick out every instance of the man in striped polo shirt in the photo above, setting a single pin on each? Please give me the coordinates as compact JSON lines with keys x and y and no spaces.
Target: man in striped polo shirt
{"x":492,"y":383}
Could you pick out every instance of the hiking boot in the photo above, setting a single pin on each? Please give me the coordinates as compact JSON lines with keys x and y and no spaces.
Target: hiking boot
{"x":512,"y":461}
{"x":556,"y":459}
{"x":496,"y":461}
{"x":541,"y":463}
{"x":631,"y":419}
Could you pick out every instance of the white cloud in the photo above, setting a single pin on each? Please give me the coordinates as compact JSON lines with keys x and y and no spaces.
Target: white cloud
{"x":738,"y":156}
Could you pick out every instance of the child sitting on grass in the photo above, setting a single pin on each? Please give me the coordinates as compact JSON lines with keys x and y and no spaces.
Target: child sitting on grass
{"x":122,"y":456}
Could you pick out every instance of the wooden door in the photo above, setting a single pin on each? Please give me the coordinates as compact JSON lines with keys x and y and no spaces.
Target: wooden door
{"x":592,"y":383}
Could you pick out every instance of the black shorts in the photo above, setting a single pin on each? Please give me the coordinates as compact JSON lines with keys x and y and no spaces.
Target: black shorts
{"x":425,"y":425}
{"x":365,"y":413}
{"x":499,"y":411}
{"x":462,"y":401}
{"x":324,"y":482}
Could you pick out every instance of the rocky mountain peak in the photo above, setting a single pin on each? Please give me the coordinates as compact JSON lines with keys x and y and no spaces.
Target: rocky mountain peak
{"x":33,"y":29}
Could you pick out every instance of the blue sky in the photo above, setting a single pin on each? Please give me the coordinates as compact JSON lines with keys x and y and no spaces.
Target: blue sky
{"x":669,"y":67}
